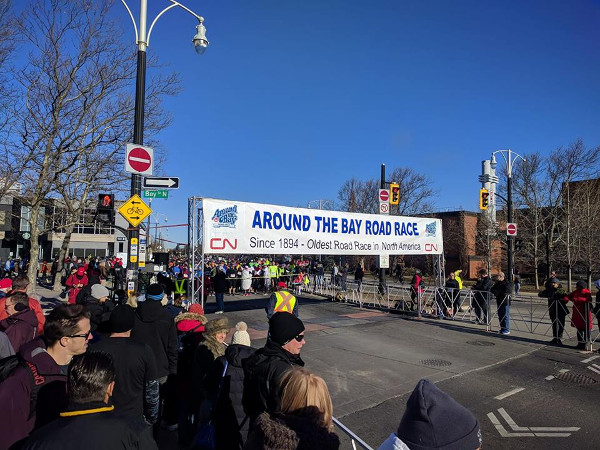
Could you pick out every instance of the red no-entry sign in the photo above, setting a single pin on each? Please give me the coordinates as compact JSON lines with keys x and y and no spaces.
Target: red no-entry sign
{"x":384,"y":195}
{"x":139,"y":159}
{"x":511,"y":229}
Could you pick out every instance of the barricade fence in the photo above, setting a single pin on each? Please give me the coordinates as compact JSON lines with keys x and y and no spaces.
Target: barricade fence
{"x":523,"y":313}
{"x":554,"y":319}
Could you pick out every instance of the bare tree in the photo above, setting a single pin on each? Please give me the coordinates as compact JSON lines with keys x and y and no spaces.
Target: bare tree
{"x":530,"y":192}
{"x":362,"y":196}
{"x":566,"y":165}
{"x":10,"y":166}
{"x":541,"y":187}
{"x":77,"y":109}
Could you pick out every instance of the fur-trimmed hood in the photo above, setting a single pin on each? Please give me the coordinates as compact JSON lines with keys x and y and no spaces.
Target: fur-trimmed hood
{"x":290,"y":432}
{"x":190,"y":321}
{"x":191,"y":316}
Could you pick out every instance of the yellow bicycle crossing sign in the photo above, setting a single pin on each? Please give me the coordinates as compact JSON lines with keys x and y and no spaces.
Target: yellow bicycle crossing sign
{"x":135,"y":210}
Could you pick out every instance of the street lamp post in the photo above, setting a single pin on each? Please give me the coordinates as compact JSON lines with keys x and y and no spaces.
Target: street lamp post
{"x":142,"y":38}
{"x":510,"y":158}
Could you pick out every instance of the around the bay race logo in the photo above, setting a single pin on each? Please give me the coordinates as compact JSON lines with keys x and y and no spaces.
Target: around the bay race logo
{"x":226,"y":217}
{"x":430,"y":229}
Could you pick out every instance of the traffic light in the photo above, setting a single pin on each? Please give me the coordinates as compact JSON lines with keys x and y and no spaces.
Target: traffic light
{"x":518,"y":244}
{"x":105,"y":210}
{"x":394,"y":193}
{"x":484,"y":199}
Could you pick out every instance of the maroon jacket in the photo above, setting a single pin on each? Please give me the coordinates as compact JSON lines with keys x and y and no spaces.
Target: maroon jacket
{"x":20,"y":328}
{"x":16,"y":418}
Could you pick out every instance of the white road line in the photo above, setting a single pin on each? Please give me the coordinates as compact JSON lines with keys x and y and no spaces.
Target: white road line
{"x":563,"y":370}
{"x":509,"y":393}
{"x":503,"y":432}
{"x":563,"y":429}
{"x":511,"y":423}
{"x":594,"y":370}
{"x":551,"y":377}
{"x":552,"y":434}
{"x":590,"y":359}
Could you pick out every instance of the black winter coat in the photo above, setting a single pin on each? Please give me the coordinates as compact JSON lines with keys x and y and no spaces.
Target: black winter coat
{"x":500,"y":290}
{"x":154,"y":326}
{"x":290,"y":432}
{"x":231,"y":422}
{"x":263,"y":372}
{"x":219,"y":282}
{"x":89,"y":430}
{"x":483,"y":287}
{"x":99,"y":312}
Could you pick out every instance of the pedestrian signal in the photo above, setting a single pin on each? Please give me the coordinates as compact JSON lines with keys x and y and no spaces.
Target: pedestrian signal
{"x":484,"y":199}
{"x":394,"y":193}
{"x":105,"y":210}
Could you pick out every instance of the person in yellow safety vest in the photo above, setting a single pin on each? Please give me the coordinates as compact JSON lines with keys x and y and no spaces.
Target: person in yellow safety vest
{"x":282,"y":301}
{"x":180,"y":287}
{"x":457,"y":278}
{"x":273,"y":272}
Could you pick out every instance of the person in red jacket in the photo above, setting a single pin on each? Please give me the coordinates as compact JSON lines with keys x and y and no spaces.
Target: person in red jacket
{"x":581,"y":319}
{"x":20,"y":284}
{"x":75,"y":283}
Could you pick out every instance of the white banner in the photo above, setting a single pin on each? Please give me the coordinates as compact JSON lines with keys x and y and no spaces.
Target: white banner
{"x":231,"y":227}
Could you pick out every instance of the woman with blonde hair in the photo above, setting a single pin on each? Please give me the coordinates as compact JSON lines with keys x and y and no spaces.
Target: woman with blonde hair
{"x":305,"y":420}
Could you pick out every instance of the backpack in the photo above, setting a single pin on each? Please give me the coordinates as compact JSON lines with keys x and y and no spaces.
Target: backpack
{"x":9,"y":364}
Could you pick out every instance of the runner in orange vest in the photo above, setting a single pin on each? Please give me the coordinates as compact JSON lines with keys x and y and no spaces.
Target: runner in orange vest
{"x":282,"y":301}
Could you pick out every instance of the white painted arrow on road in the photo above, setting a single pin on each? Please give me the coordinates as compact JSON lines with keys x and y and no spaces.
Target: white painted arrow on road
{"x":518,"y":431}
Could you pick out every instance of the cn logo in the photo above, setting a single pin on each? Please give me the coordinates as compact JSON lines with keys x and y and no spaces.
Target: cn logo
{"x":222,"y":244}
{"x":431,"y":247}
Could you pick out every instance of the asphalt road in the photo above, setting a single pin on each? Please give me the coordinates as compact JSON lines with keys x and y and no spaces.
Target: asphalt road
{"x":371,"y":361}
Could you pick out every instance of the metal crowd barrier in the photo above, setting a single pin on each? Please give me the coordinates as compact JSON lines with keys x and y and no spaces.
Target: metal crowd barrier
{"x":528,"y":313}
{"x":355,"y":439}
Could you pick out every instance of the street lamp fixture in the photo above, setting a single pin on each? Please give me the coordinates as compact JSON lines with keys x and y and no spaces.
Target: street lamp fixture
{"x":199,"y":40}
{"x":142,"y":40}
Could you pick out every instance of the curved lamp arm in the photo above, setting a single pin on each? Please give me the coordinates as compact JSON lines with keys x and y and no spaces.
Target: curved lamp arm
{"x":141,"y":34}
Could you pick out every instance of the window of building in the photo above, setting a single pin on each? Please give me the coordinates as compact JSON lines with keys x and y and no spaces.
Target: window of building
{"x":25,"y":217}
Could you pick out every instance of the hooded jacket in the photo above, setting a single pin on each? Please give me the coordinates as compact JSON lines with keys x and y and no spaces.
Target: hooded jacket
{"x":154,"y":326}
{"x":290,"y":432}
{"x":16,"y":418}
{"x":34,"y":305}
{"x":579,"y":298}
{"x":263,"y":371}
{"x":20,"y":328}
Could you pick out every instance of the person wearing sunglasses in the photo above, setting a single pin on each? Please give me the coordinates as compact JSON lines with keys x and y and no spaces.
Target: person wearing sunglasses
{"x":266,"y":367}
{"x":35,"y":392}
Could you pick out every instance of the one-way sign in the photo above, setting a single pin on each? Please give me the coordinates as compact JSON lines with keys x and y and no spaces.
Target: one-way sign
{"x":161,"y":183}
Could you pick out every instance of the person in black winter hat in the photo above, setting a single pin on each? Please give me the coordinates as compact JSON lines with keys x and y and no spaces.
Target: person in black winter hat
{"x":434,"y":420}
{"x":265,"y":368}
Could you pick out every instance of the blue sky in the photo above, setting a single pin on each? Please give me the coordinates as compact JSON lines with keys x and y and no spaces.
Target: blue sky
{"x":292,"y":98}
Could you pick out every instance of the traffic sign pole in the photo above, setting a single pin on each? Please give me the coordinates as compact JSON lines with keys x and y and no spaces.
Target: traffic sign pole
{"x":136,"y":180}
{"x":382,"y":287}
